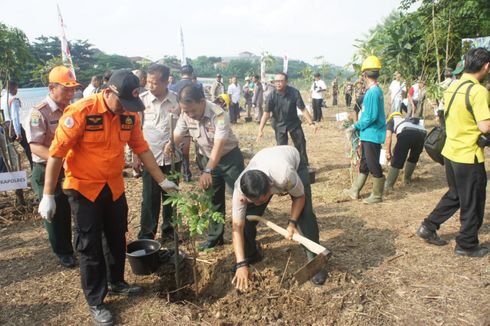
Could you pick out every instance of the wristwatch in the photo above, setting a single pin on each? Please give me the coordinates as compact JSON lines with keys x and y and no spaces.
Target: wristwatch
{"x":208,"y":170}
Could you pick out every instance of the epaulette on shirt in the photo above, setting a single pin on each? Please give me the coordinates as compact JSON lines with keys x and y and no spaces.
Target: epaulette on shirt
{"x":40,"y":105}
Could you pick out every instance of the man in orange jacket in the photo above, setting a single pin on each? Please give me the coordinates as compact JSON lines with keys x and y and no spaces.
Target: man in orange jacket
{"x":90,"y":139}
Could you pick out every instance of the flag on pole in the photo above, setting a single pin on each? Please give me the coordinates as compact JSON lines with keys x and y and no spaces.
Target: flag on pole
{"x":262,"y":66}
{"x":65,"y":49}
{"x":183,"y":60}
{"x":285,"y":64}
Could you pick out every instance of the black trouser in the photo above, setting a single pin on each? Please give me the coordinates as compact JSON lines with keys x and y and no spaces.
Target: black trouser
{"x":25,"y":146}
{"x":348,"y":99}
{"x":227,"y":171}
{"x":370,"y":159}
{"x":317,"y":109}
{"x":307,"y":223}
{"x":334,"y":101}
{"x":298,"y":137}
{"x":91,"y":219}
{"x":408,"y":141}
{"x":153,"y":195}
{"x":234,"y":112}
{"x":467,"y":191}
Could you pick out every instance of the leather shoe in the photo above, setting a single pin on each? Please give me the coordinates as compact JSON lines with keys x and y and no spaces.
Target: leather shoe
{"x":430,"y":236}
{"x":209,"y":244}
{"x":319,"y":278}
{"x":101,"y":315}
{"x":67,"y":261}
{"x":123,"y":288}
{"x":478,"y":251}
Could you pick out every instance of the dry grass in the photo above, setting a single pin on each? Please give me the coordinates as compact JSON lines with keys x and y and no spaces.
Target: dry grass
{"x":380,"y":273}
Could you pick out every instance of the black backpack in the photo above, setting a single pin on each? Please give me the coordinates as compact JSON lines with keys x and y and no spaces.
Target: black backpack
{"x":436,"y":138}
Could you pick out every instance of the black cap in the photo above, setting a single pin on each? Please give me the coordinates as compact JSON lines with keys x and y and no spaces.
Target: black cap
{"x":126,"y":86}
{"x":186,"y":70}
{"x":218,"y":75}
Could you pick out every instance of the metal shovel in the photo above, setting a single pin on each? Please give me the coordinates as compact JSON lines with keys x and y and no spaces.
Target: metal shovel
{"x":313,"y":266}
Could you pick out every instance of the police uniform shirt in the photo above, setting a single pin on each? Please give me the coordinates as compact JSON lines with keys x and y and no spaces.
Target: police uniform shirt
{"x":280,"y":164}
{"x":42,"y":123}
{"x":156,"y":123}
{"x":214,"y":124}
{"x":283,"y":108}
{"x":398,"y":124}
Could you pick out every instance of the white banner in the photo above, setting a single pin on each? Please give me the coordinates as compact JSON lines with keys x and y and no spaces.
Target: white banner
{"x":285,"y":64}
{"x":13,"y":180}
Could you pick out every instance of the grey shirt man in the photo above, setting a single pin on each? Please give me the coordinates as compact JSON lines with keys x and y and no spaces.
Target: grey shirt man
{"x":41,"y":124}
{"x":280,"y":164}
{"x":214,"y":124}
{"x":217,"y":89}
{"x":156,"y":123}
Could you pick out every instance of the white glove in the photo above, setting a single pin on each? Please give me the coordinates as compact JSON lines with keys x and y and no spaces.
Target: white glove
{"x":47,"y":207}
{"x":168,"y":186}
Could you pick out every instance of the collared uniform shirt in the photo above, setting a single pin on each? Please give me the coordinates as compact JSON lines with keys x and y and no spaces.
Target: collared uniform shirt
{"x":234,"y":92}
{"x":217,"y":89}
{"x":92,"y":138}
{"x":280,"y":164}
{"x":41,"y":124}
{"x":214,"y":124}
{"x":283,"y":108}
{"x":156,"y":124}
{"x":461,"y":126}
{"x":316,"y":87}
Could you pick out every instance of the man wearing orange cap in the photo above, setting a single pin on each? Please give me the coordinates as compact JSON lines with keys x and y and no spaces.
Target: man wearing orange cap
{"x":43,"y":122}
{"x":90,"y":138}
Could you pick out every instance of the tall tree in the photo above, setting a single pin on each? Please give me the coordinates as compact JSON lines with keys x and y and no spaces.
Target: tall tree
{"x":14,"y":52}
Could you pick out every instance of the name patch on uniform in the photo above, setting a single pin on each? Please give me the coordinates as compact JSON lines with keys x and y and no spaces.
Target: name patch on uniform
{"x":94,"y":123}
{"x":127,"y":122}
{"x":54,"y":122}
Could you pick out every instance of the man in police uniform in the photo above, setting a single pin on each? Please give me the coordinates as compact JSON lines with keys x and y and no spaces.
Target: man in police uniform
{"x":160,"y":106}
{"x":410,"y":136}
{"x":217,"y":88}
{"x":90,"y":139}
{"x":467,"y":117}
{"x":281,"y":106}
{"x":43,"y":121}
{"x":273,"y":170}
{"x":209,"y":126}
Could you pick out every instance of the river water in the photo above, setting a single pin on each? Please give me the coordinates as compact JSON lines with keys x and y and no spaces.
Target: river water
{"x":30,"y":97}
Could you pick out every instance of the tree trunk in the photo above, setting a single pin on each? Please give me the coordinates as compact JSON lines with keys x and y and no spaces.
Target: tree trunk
{"x":435,"y":41}
{"x":448,"y":33}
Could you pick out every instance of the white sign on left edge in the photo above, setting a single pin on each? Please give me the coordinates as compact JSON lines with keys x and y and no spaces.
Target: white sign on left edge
{"x":13,"y":180}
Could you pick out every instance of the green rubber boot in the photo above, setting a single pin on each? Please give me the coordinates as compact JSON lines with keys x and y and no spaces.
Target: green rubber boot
{"x":391,"y":179}
{"x":377,"y":193}
{"x":409,"y":168}
{"x":357,"y":185}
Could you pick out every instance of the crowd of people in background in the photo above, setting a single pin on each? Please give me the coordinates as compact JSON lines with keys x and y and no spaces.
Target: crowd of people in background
{"x":128,"y":118}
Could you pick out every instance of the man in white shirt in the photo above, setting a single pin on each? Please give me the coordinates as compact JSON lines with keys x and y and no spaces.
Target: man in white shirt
{"x":160,"y":107}
{"x":318,"y":88}
{"x":93,"y":87}
{"x":397,"y":87}
{"x":234,"y":92}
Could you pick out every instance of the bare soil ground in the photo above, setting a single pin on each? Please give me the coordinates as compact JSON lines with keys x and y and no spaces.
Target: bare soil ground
{"x":380,"y":272}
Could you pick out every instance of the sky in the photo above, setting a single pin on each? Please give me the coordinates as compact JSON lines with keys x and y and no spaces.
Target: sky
{"x":302,"y":30}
